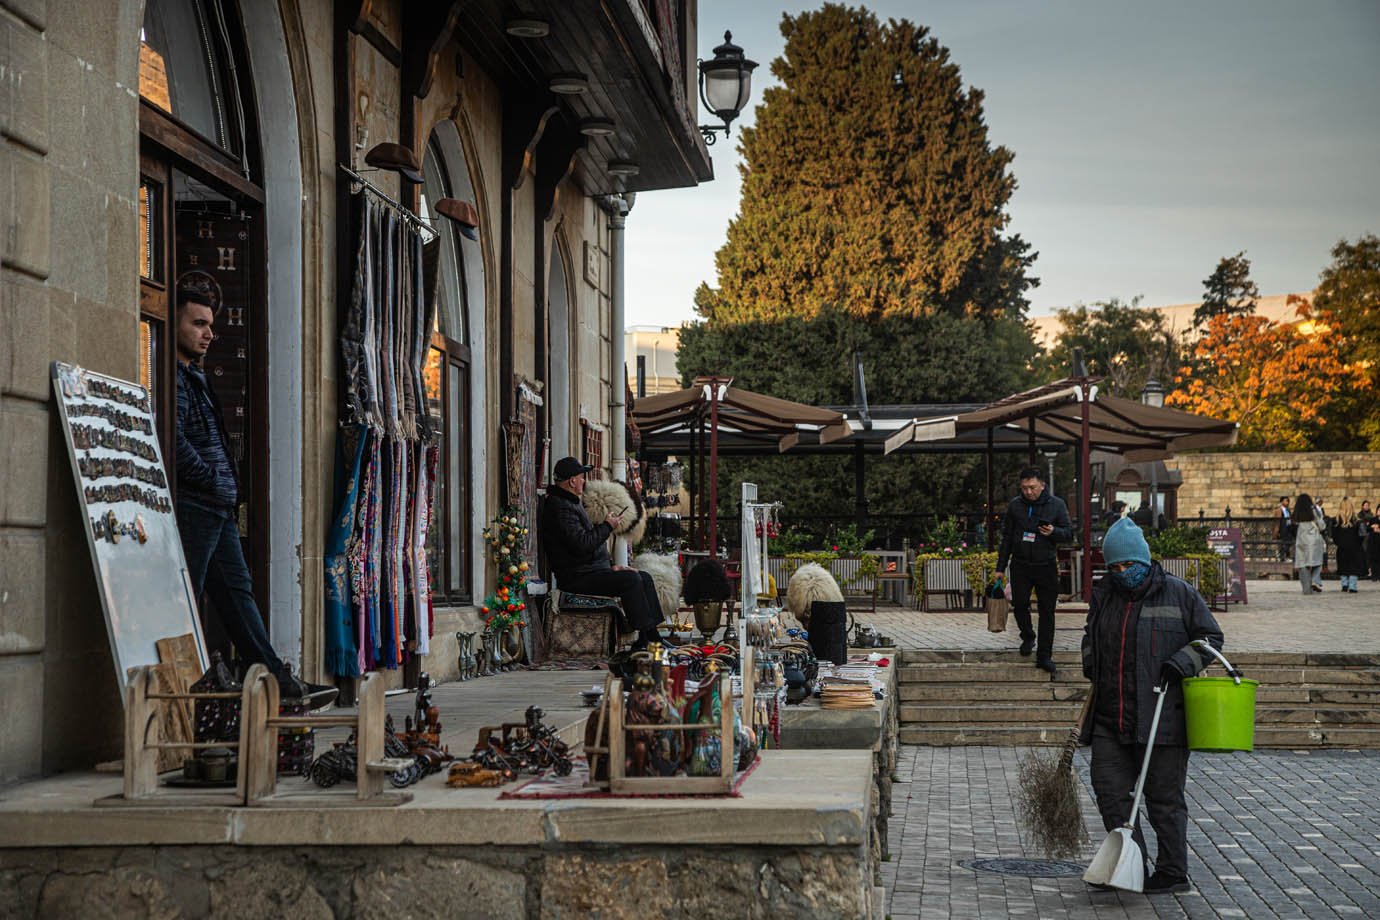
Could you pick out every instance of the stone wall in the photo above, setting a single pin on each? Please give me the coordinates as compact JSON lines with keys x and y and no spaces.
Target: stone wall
{"x":68,"y":292}
{"x":1250,"y":484}
{"x":494,"y":883}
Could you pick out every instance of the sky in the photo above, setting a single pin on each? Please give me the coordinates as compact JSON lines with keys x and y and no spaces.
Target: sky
{"x":1150,"y":141}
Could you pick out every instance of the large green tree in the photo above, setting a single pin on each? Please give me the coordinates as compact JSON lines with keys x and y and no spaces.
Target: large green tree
{"x":1123,"y":342}
{"x":1348,"y":302}
{"x":1228,"y":291}
{"x":869,"y":184}
{"x":873,"y":217}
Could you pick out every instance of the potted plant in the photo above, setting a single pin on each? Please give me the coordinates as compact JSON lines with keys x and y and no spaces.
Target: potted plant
{"x":706,"y":589}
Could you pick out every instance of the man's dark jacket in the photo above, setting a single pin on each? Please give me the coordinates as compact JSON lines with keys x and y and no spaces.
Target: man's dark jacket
{"x":1127,"y":641}
{"x":1021,"y":516}
{"x":574,"y":545}
{"x":205,"y":471}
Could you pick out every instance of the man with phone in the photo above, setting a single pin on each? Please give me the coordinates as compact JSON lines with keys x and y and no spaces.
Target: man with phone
{"x":1036,"y":523}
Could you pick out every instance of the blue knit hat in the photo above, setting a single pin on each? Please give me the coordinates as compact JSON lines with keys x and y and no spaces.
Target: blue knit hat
{"x":1125,"y":543}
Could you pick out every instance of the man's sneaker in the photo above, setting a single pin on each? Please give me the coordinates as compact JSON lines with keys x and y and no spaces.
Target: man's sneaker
{"x":1027,"y":646}
{"x":1160,"y":883}
{"x":1047,"y":664}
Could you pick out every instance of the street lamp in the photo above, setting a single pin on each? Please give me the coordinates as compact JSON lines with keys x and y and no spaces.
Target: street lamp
{"x":1152,"y":394}
{"x":725,"y":83}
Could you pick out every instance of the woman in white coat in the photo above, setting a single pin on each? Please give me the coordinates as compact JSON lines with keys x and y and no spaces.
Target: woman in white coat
{"x":1310,"y":549}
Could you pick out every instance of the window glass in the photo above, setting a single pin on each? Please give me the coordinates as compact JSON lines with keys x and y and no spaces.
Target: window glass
{"x":185,"y":68}
{"x":150,"y":230}
{"x":456,"y":484}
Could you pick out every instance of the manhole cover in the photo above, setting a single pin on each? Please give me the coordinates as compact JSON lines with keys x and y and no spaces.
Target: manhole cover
{"x":1028,"y":868}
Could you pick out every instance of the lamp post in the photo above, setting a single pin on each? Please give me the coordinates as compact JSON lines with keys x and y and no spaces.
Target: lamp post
{"x":725,"y":83}
{"x":1152,"y":394}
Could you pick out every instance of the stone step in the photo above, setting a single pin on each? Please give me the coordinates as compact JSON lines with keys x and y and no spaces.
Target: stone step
{"x":948,"y":735}
{"x":983,"y":693}
{"x":1049,"y":712}
{"x":1024,"y":670}
{"x":1013,"y":714}
{"x":1070,"y":656}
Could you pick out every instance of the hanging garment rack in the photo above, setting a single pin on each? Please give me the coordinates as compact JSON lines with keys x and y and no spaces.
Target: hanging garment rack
{"x":403,"y":211}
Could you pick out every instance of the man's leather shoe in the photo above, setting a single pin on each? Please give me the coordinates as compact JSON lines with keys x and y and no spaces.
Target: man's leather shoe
{"x":1047,"y":664}
{"x":1167,"y":884}
{"x":1027,"y":646}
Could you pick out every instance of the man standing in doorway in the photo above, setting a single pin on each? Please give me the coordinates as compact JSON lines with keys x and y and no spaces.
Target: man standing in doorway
{"x":576,"y":548}
{"x":1036,"y":523}
{"x":208,"y":499}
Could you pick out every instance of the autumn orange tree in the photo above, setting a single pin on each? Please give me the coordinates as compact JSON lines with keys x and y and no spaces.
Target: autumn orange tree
{"x":1282,"y":382}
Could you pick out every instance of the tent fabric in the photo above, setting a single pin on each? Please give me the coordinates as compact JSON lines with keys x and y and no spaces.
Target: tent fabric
{"x":1123,"y":426}
{"x":751,"y":416}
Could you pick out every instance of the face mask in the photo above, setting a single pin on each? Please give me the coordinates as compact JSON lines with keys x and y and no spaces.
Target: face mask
{"x":1132,"y":577}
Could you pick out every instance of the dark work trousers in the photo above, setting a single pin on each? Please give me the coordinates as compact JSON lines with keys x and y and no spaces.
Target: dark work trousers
{"x":1116,"y":766}
{"x":635,"y":589}
{"x":1045,"y":580}
{"x":215,"y":563}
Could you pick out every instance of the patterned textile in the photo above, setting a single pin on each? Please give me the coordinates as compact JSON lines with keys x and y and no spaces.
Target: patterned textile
{"x":378,"y":592}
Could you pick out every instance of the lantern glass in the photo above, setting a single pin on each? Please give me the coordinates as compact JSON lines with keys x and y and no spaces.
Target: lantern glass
{"x":727,"y":89}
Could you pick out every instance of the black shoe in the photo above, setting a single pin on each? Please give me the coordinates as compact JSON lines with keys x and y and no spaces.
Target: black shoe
{"x":1318,"y":588}
{"x":1167,"y":884}
{"x":1047,"y":664}
{"x":1027,"y":646}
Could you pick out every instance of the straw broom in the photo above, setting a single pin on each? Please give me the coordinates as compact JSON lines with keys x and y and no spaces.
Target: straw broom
{"x":1047,"y":796}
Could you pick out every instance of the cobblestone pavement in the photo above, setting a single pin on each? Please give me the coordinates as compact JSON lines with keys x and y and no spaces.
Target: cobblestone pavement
{"x":1279,"y":618}
{"x":1275,"y":834}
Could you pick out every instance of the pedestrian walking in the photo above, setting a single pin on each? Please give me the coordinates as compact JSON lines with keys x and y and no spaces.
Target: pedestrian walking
{"x":1140,"y":623}
{"x":1284,"y":530}
{"x":1310,"y":549}
{"x":1036,"y":523}
{"x":1351,"y":553}
{"x":1370,"y":526}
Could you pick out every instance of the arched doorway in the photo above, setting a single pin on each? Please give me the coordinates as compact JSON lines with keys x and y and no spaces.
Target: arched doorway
{"x":560,"y":373}
{"x":202,"y":229}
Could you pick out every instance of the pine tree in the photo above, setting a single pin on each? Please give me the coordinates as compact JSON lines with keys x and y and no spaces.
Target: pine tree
{"x":1228,"y":291}
{"x":873,"y":216}
{"x":870,"y":185}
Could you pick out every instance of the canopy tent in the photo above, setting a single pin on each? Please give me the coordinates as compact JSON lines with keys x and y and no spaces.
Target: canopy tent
{"x":1071,"y":412}
{"x":713,"y":408}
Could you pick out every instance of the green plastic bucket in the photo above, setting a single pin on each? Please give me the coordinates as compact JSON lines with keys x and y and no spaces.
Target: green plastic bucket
{"x":1220,"y":713}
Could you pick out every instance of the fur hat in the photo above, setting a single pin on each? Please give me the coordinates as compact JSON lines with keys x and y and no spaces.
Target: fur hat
{"x":603,"y":497}
{"x":665,"y":572}
{"x":810,"y":583}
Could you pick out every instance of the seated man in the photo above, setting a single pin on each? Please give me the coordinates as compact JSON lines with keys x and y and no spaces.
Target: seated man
{"x":578,"y":552}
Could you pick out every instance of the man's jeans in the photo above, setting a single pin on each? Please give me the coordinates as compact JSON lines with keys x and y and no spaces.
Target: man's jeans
{"x":215,"y":563}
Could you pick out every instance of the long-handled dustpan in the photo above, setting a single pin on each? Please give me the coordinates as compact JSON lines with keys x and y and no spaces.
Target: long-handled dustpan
{"x":1119,"y":862}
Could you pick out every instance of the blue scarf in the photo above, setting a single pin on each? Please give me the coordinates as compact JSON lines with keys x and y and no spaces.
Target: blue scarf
{"x":1132,"y":577}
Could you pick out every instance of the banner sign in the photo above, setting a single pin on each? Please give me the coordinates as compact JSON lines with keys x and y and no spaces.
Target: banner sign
{"x":1226,"y":542}
{"x":125,"y":502}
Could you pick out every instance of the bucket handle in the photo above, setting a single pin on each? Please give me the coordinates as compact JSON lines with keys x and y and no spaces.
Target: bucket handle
{"x":1206,"y":646}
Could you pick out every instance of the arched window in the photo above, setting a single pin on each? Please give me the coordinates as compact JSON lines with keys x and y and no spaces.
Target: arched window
{"x":459,"y":294}
{"x":187,"y":69}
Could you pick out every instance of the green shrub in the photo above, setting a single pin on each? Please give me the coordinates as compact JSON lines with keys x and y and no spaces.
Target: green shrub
{"x":1178,"y":542}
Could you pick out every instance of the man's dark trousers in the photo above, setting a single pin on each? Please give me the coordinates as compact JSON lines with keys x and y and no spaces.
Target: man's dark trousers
{"x":635,"y":589}
{"x":1115,"y":767}
{"x":1044,"y":579}
{"x":215,"y":562}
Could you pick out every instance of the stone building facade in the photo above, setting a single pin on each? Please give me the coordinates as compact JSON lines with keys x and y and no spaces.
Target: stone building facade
{"x":242,"y":110}
{"x":1250,"y":484}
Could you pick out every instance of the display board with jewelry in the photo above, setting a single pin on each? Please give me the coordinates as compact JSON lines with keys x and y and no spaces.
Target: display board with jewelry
{"x":122,"y":490}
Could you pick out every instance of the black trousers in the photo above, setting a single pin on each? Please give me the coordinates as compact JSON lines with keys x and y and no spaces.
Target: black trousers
{"x":1115,"y":767}
{"x":1044,"y":579}
{"x":635,"y":589}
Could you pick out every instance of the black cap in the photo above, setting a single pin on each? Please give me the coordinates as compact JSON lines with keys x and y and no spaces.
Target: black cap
{"x":569,"y":467}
